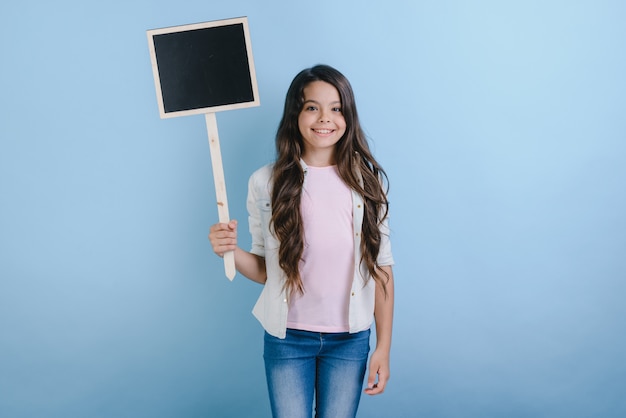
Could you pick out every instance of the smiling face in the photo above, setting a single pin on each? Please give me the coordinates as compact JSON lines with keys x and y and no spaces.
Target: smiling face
{"x":321,"y":123}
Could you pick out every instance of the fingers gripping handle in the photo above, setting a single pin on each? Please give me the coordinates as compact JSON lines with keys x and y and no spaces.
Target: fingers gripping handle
{"x":220,"y":186}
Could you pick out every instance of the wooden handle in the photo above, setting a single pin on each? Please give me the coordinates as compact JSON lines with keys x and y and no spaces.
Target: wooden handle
{"x":220,"y":186}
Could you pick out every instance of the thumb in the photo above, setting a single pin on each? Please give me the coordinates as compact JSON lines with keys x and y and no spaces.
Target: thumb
{"x":371,"y":378}
{"x":232,"y":224}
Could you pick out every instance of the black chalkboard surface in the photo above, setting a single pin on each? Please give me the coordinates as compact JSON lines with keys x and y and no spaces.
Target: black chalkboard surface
{"x":205,"y":67}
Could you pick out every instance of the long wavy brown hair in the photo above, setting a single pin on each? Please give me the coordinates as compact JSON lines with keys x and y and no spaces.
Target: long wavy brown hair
{"x":352,"y":155}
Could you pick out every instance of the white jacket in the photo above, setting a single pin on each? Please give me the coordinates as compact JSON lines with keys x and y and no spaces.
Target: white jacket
{"x":272,"y":306}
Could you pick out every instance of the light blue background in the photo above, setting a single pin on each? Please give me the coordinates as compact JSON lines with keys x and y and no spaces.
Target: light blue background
{"x":501,"y":125}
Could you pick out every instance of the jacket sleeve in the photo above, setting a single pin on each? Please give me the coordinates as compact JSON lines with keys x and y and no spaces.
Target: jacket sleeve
{"x":258,"y":204}
{"x":254,"y":219}
{"x":385,"y":257}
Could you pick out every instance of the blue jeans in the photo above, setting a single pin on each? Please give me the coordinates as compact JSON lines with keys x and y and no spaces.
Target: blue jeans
{"x":329,"y":367}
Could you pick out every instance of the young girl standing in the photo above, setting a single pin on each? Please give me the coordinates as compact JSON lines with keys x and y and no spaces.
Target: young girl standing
{"x":320,"y":246}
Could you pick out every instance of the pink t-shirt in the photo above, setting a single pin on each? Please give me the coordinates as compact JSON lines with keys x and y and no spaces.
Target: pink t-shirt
{"x":327,"y":262}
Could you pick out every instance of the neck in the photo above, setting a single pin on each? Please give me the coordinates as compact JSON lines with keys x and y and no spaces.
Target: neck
{"x":319,"y":159}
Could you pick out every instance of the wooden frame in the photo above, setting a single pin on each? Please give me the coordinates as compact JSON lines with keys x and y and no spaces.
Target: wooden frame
{"x":226,"y":42}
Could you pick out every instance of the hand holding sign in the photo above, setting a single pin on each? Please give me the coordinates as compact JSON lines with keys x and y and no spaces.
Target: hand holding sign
{"x":202,"y":69}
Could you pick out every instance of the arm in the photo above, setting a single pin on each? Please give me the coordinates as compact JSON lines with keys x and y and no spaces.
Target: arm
{"x":223,"y":238}
{"x":383,"y":314}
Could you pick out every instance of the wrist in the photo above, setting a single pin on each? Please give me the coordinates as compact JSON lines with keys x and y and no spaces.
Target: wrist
{"x":383,"y":346}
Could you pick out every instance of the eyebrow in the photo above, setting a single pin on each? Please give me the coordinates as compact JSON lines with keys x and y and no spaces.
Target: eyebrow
{"x":316,"y":102}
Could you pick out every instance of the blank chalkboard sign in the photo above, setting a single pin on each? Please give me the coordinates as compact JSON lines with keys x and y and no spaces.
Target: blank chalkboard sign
{"x":204,"y":67}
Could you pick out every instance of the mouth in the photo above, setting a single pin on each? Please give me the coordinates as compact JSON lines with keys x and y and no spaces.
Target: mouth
{"x":323,"y":131}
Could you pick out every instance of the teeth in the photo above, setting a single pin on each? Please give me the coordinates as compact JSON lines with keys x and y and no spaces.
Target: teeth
{"x":323,"y":131}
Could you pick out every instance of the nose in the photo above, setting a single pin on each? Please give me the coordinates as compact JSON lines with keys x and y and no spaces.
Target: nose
{"x":324,"y":116}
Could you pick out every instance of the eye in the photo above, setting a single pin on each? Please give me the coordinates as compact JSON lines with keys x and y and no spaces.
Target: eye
{"x":310,"y":108}
{"x":336,"y":109}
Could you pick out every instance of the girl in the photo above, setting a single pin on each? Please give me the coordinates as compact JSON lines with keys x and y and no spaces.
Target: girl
{"x":320,"y":246}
